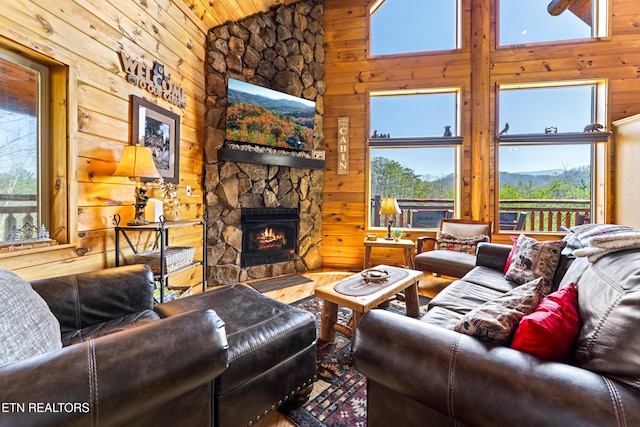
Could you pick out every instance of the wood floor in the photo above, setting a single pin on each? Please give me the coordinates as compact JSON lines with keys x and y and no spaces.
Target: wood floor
{"x":429,"y":286}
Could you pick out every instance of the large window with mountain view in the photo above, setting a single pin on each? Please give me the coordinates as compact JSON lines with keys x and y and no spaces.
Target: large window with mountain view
{"x":546,"y":156}
{"x":406,"y":26}
{"x":536,"y":21}
{"x":23,"y":155}
{"x":413,"y":143}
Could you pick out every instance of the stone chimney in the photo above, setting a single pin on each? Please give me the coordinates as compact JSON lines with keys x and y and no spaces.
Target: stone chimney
{"x":282,"y":49}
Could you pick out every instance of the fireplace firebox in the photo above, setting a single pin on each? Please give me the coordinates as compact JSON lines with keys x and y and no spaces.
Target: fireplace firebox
{"x":269,"y":235}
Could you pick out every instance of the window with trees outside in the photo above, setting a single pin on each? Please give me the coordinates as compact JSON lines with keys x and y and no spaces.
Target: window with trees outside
{"x":535,"y":21}
{"x":413,"y":144}
{"x":547,"y":154}
{"x":405,"y":26}
{"x":24,"y":151}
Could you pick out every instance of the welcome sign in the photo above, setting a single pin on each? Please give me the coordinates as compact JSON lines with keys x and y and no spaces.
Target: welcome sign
{"x":153,"y":79}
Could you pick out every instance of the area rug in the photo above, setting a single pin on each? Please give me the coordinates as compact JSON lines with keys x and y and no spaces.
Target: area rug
{"x":275,"y":283}
{"x":339,"y":397}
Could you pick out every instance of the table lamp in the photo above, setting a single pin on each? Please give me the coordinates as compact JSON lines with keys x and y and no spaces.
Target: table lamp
{"x":137,"y":162}
{"x":389,"y":207}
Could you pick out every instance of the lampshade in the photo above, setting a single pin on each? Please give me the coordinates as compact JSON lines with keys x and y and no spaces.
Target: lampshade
{"x":389,"y":206}
{"x":137,"y":161}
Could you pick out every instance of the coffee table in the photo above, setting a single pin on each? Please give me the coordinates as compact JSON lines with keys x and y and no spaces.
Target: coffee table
{"x":401,"y":280}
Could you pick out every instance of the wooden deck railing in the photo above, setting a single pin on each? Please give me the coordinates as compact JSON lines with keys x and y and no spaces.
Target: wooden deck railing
{"x":536,"y":215}
{"x":16,"y":210}
{"x":550,"y":215}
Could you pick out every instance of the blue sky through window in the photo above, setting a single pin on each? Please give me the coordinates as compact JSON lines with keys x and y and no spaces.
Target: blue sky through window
{"x":401,"y":26}
{"x":431,"y":26}
{"x":417,"y":115}
{"x":529,"y":22}
{"x":413,"y":115}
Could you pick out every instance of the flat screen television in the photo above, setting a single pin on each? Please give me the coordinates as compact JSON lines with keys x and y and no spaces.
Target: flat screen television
{"x":261,"y":116}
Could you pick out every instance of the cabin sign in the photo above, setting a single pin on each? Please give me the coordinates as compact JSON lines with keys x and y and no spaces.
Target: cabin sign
{"x":343,"y":145}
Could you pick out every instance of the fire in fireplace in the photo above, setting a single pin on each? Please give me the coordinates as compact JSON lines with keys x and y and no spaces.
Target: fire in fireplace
{"x":269,"y":235}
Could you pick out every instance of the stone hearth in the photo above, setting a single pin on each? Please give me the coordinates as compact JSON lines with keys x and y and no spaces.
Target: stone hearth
{"x":282,"y":49}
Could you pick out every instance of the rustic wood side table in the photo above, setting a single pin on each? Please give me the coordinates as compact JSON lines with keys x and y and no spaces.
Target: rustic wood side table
{"x":405,"y":244}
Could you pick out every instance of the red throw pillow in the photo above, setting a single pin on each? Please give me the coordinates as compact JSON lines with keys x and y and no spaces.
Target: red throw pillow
{"x":551,"y":330}
{"x":514,"y":239}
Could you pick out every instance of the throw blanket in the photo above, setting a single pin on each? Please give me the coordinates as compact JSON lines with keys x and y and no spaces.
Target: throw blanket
{"x":597,"y":240}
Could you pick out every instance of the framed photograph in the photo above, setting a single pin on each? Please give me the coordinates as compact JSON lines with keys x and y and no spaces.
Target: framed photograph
{"x":158,"y":129}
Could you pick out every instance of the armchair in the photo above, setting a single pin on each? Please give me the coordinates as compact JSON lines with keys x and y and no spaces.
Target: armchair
{"x":452,"y":262}
{"x":121,"y":364}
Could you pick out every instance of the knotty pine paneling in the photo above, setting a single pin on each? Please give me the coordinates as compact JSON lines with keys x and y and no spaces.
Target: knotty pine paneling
{"x":87,"y":38}
{"x":351,"y":75}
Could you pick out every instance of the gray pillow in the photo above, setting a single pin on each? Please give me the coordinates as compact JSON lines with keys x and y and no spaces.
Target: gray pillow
{"x":27,"y":326}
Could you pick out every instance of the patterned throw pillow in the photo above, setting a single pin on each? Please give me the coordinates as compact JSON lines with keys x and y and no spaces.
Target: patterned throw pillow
{"x":532,"y":259}
{"x":496,"y":320}
{"x":27,"y":326}
{"x":450,"y":242}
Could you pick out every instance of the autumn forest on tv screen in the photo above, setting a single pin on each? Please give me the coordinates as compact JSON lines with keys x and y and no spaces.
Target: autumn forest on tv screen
{"x":259,"y":125}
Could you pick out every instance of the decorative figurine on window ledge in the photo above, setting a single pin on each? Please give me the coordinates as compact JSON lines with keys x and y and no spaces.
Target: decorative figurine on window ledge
{"x":21,"y":238}
{"x":593,"y":127}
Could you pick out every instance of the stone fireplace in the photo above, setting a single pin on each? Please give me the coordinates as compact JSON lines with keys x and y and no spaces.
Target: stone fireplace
{"x":282,"y":49}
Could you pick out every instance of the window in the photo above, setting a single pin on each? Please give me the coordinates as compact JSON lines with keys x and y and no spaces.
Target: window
{"x":536,"y":21}
{"x":403,"y":26}
{"x":547,"y":157}
{"x":35,"y":145}
{"x":23,"y":150}
{"x":412,"y":151}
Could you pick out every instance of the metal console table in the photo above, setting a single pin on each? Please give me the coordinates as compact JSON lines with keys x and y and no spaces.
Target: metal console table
{"x":162,"y":243}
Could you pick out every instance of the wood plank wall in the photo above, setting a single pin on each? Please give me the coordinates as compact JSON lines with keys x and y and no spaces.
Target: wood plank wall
{"x":351,"y":75}
{"x":86,"y":37}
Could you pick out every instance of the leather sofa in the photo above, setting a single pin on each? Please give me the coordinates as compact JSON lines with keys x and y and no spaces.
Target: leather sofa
{"x":420,"y":372}
{"x":120,"y":364}
{"x":221,"y":358}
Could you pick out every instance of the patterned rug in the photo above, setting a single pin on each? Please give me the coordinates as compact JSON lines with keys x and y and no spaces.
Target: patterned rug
{"x":339,"y":397}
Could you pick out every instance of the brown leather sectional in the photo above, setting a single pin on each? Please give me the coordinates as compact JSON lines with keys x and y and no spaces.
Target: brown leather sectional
{"x":420,"y":372}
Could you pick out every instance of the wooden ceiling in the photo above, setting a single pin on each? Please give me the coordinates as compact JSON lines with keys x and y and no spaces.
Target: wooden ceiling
{"x":213,"y":13}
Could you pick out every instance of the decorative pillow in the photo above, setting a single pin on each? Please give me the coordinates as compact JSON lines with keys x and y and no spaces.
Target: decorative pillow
{"x":496,"y":320}
{"x":532,"y":259}
{"x":450,"y":242}
{"x":514,"y":239}
{"x":27,"y":326}
{"x":550,"y":331}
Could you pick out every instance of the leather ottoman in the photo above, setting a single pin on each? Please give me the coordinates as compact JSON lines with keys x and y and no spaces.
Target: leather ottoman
{"x":272,"y":352}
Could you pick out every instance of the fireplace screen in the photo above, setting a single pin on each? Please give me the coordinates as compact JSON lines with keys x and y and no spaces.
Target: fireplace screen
{"x":269,"y":235}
